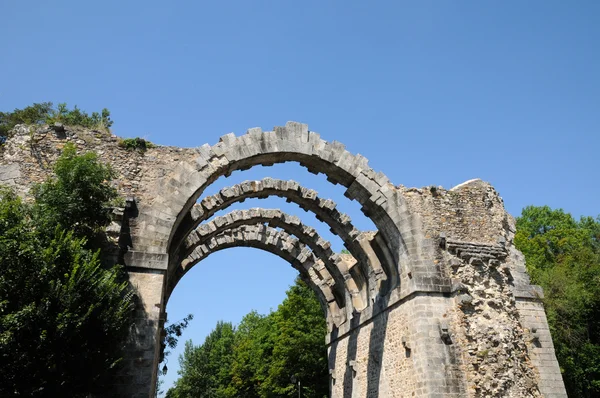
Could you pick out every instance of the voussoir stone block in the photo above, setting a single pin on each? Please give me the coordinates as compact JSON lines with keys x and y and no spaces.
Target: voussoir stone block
{"x":435,"y":303}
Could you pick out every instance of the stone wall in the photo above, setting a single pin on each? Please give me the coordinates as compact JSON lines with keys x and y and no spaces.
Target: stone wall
{"x":399,"y":353}
{"x":435,"y":303}
{"x":27,"y":158}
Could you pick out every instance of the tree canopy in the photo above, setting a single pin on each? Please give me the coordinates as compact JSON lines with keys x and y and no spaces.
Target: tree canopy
{"x":63,"y":316}
{"x":563,"y":256}
{"x":258,"y":358}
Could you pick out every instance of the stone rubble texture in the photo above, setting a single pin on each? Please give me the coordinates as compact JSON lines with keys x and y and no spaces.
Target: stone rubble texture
{"x":435,"y":303}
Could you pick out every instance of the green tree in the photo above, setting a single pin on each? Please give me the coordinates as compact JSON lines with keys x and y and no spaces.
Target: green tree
{"x":79,"y":197}
{"x":205,"y":369}
{"x":263,"y":354}
{"x":252,"y":356}
{"x":63,"y":317}
{"x":299,"y":346}
{"x":563,"y":256}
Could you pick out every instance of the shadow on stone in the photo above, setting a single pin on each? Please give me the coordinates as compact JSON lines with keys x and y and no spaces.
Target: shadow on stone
{"x":376,"y":346}
{"x":350,"y":371}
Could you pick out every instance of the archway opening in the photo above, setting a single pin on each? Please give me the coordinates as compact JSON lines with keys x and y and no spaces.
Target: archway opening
{"x":187,"y":215}
{"x":216,"y":290}
{"x":370,"y":264}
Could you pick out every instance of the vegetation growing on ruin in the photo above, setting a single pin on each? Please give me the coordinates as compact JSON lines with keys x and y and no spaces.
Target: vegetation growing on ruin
{"x":61,"y":311}
{"x":46,"y":113}
{"x":258,"y":357}
{"x":64,"y":317}
{"x":135,"y":144}
{"x":79,"y":197}
{"x":77,"y":117}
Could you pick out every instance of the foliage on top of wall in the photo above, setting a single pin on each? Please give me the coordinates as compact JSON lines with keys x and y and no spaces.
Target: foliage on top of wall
{"x":77,"y":117}
{"x":135,"y":144}
{"x":45,"y":113}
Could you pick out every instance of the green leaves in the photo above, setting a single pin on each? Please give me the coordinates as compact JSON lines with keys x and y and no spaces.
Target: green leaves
{"x":258,"y":358}
{"x":64,"y":317}
{"x":77,"y":117}
{"x":135,"y":144}
{"x":45,"y":113}
{"x":78,"y":198}
{"x":205,"y":369}
{"x":34,"y":114}
{"x":299,"y":346}
{"x":563,"y":256}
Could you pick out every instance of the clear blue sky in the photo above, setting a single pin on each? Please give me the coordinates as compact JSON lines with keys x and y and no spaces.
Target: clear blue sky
{"x":432,"y":92}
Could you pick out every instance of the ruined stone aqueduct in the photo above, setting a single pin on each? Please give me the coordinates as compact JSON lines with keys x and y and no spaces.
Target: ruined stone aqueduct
{"x":435,"y":303}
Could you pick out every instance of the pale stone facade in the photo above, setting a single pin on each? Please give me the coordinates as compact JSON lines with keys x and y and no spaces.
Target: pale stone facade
{"x":435,"y":303}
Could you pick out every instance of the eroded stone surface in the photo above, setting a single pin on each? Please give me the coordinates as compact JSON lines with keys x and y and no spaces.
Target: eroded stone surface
{"x":449,"y":310}
{"x":492,"y":339}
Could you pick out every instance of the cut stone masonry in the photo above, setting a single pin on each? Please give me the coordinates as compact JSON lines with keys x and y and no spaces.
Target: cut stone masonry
{"x":339,"y":270}
{"x":435,"y":303}
{"x":358,"y":244}
{"x":283,"y":245}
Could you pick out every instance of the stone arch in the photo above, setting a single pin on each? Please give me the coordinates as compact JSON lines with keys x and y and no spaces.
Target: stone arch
{"x":376,"y":270}
{"x":341,"y":271}
{"x":280,"y":243}
{"x":176,"y":193}
{"x":412,"y":340}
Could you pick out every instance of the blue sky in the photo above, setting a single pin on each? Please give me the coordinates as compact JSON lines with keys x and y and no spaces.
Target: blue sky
{"x":432,"y":92}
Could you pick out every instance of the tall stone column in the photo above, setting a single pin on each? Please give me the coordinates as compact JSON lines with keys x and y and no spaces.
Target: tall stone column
{"x":138,"y":378}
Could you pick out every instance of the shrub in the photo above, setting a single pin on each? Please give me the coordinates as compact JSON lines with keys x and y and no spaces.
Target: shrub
{"x":45,"y":113}
{"x":77,"y":117}
{"x":135,"y":144}
{"x":34,"y":114}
